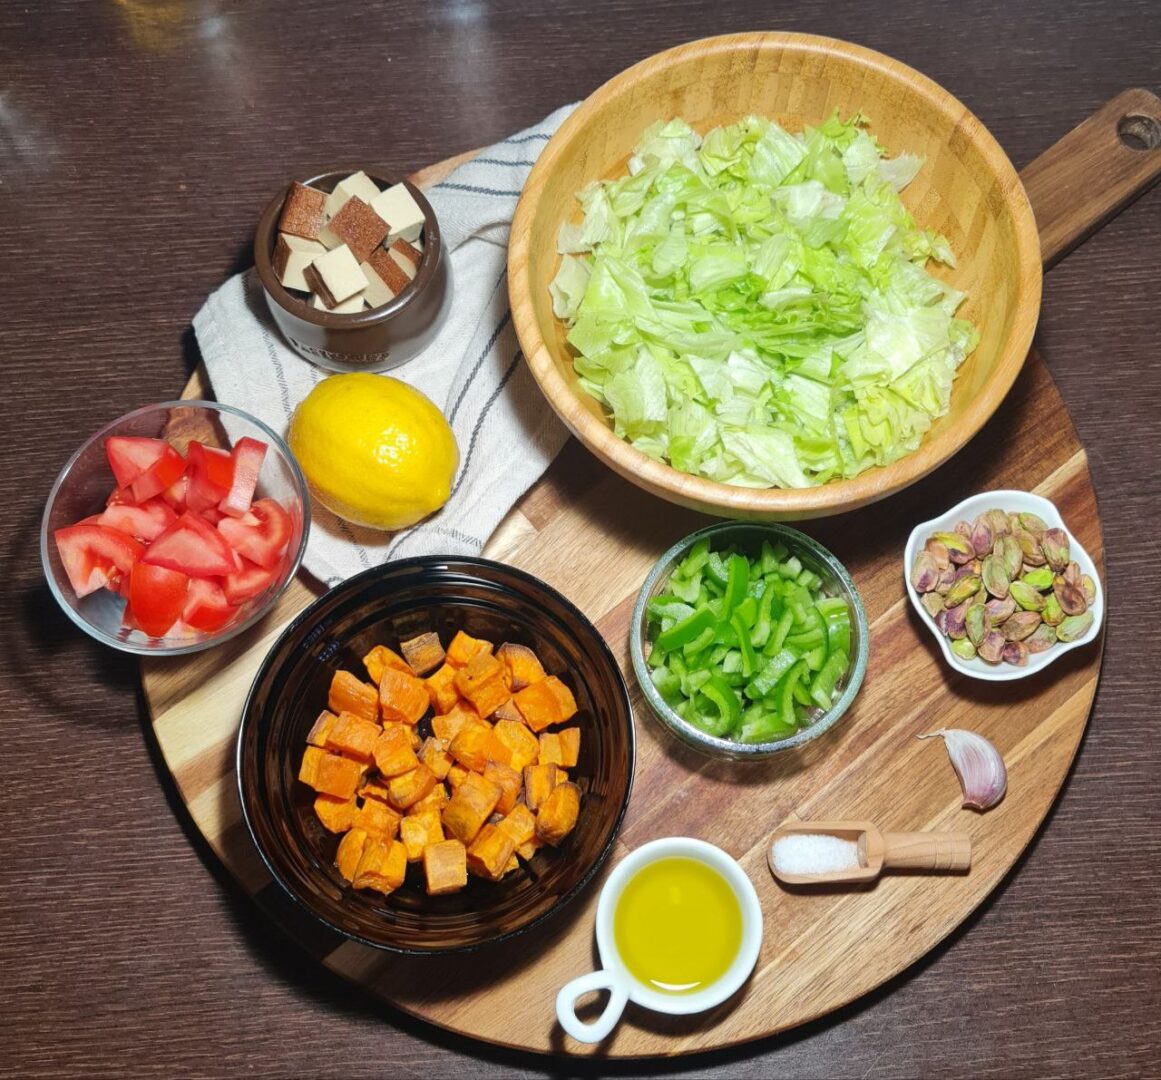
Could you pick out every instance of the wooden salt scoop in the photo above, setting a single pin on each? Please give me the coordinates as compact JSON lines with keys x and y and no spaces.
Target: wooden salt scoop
{"x":941,"y":852}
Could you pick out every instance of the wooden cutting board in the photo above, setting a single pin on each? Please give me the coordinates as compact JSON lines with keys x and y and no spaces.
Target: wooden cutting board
{"x":594,"y":536}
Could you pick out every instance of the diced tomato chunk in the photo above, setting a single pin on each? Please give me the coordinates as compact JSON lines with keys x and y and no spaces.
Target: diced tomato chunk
{"x":95,"y":555}
{"x":163,"y":473}
{"x":175,"y":494}
{"x":206,"y":607}
{"x":157,"y":596}
{"x":211,"y":476}
{"x":192,"y":547}
{"x":248,"y":456}
{"x":146,"y":522}
{"x":261,"y":535}
{"x":131,"y":457}
{"x":246,"y":583}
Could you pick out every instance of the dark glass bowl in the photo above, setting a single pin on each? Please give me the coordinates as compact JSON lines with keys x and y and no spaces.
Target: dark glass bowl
{"x":382,"y":606}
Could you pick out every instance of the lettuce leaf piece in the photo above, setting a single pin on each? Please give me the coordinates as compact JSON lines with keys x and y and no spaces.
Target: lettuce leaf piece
{"x":754,"y":306}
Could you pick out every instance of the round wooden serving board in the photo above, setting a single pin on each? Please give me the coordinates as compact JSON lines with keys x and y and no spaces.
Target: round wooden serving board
{"x":594,"y":536}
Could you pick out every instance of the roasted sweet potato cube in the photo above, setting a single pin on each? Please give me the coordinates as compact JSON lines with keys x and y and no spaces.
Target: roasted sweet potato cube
{"x":470,"y":746}
{"x":509,"y":782}
{"x":393,"y":752}
{"x":463,"y":648}
{"x":435,"y":757}
{"x":489,"y":852}
{"x":508,"y":711}
{"x":551,"y":752}
{"x":539,"y":780}
{"x":380,"y":658}
{"x":417,"y":831}
{"x":569,"y":746}
{"x":349,"y":694}
{"x":520,"y":824}
{"x":423,"y":653}
{"x":447,"y":727}
{"x":318,"y":732}
{"x":470,"y":806}
{"x":545,"y":703}
{"x":410,"y":787}
{"x":402,"y":697}
{"x":441,"y":689}
{"x":349,"y":853}
{"x":376,"y":818}
{"x":436,"y":799}
{"x":337,"y":815}
{"x":375,"y":788}
{"x":330,"y":774}
{"x":521,"y":743}
{"x":558,"y":813}
{"x":529,"y":848}
{"x":497,"y":750}
{"x":456,"y":775}
{"x":445,"y":865}
{"x":481,"y":682}
{"x":522,"y":663}
{"x":353,"y":736}
{"x":382,"y":866}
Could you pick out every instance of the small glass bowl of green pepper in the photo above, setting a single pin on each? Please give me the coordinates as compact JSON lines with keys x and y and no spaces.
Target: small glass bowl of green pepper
{"x":749,"y":639}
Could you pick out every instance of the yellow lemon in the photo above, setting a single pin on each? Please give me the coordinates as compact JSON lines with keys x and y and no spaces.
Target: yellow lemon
{"x":374,"y":450}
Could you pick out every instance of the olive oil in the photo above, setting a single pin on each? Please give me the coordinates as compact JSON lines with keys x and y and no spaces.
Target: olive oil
{"x":677,"y":925}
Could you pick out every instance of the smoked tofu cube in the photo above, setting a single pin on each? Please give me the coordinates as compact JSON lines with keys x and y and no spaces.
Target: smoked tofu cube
{"x":384,"y":275}
{"x":471,"y":745}
{"x":399,"y":209}
{"x":359,"y":227}
{"x":445,"y":865}
{"x":558,"y":813}
{"x":463,"y":648}
{"x":336,"y":815}
{"x":335,"y":276}
{"x":436,"y":799}
{"x":539,"y":780}
{"x":406,"y":256}
{"x":424,"y":653}
{"x":303,"y":212}
{"x":330,"y":774}
{"x":489,"y":852}
{"x":441,"y":689}
{"x":470,"y":805}
{"x":392,"y":751}
{"x":359,"y":184}
{"x":376,"y":818}
{"x":353,"y":736}
{"x":376,"y":293}
{"x":402,"y":696}
{"x":520,"y":824}
{"x":523,"y":748}
{"x":435,"y":757}
{"x":481,"y":681}
{"x":349,"y":694}
{"x":350,"y":852}
{"x":382,"y":867}
{"x":545,"y":703}
{"x":410,"y":787}
{"x":522,"y":663}
{"x":569,"y":746}
{"x":380,"y":658}
{"x":508,"y":780}
{"x":418,"y":831}
{"x":448,"y":726}
{"x":292,"y":255}
{"x":318,"y":733}
{"x":346,"y":307}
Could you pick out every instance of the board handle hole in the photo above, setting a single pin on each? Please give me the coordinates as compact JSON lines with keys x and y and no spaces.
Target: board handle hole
{"x":1139,"y":132}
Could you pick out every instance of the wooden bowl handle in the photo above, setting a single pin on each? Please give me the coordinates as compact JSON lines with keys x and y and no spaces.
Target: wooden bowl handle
{"x":927,"y":851}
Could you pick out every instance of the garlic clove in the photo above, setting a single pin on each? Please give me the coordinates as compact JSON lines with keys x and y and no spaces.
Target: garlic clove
{"x":978,"y":764}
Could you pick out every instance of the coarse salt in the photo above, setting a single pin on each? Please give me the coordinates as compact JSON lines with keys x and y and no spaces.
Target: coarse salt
{"x":814,"y":853}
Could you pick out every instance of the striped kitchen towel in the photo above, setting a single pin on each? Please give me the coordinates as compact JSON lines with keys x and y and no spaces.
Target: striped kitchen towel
{"x":473,"y":371}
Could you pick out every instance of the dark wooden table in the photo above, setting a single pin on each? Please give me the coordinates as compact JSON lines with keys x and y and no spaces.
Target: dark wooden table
{"x":138,"y":141}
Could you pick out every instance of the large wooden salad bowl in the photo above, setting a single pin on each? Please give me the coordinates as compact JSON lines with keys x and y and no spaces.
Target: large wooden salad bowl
{"x":967,"y":190}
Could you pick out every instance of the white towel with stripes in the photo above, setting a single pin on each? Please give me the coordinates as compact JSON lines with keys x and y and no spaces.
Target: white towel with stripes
{"x":474,"y":371}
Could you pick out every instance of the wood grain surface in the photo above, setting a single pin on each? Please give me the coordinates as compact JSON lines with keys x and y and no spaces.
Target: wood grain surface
{"x":138,"y":143}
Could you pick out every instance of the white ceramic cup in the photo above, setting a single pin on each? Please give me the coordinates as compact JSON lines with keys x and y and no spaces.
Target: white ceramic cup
{"x":613,"y":975}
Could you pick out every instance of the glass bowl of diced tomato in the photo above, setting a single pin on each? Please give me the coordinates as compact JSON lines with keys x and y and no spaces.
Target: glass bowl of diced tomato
{"x":175,"y":527}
